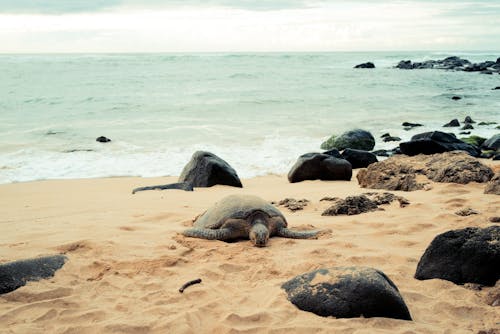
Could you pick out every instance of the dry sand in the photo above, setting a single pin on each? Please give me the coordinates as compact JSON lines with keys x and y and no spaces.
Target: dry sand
{"x":127,"y":260}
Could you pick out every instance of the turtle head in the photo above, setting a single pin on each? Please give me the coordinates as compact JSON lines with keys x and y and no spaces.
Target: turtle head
{"x":259,"y":233}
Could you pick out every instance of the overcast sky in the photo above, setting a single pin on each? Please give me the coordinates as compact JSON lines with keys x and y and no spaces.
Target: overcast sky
{"x":244,"y":25}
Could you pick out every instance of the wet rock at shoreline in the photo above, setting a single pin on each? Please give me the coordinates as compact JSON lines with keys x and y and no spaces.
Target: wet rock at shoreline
{"x":469,"y":120}
{"x":474,"y":140}
{"x":411,"y":125}
{"x":205,"y":169}
{"x":452,"y":123}
{"x":318,"y":166}
{"x":470,"y":255}
{"x":355,"y":139}
{"x":436,"y":142}
{"x":492,"y":143}
{"x":330,"y":292}
{"x":467,"y":126}
{"x":365,"y":65}
{"x":452,"y":63}
{"x":102,"y":139}
{"x":359,"y":158}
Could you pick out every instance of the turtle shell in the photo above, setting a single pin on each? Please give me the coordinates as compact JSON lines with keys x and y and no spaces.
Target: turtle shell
{"x":235,"y":207}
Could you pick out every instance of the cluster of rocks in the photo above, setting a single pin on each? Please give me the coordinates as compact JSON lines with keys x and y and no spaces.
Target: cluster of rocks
{"x":293,"y":204}
{"x":354,"y":205}
{"x":468,"y":256}
{"x":452,"y":63}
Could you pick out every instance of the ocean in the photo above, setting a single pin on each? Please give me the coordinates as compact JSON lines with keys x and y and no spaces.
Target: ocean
{"x":258,"y":112}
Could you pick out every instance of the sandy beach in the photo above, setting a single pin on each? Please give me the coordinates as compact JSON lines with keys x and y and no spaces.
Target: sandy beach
{"x":127,"y":259}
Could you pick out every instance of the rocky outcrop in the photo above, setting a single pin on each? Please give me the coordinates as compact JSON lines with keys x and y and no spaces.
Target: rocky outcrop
{"x":492,"y":143}
{"x":14,"y":275}
{"x":358,"y":158}
{"x":451,"y":63}
{"x":493,"y":186}
{"x":365,"y":65}
{"x":102,"y":139}
{"x":401,"y":172}
{"x":454,"y":167}
{"x":205,"y":169}
{"x":347,"y":292}
{"x":436,"y":142}
{"x":318,"y":166}
{"x":470,"y":255}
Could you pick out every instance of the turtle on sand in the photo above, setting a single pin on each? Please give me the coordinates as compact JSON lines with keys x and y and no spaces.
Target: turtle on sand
{"x":244,"y":216}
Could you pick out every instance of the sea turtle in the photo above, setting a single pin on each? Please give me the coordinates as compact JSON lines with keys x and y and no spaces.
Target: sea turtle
{"x":244,"y":216}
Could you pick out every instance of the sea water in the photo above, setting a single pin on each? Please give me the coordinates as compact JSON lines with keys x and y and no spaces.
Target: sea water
{"x":258,"y":112}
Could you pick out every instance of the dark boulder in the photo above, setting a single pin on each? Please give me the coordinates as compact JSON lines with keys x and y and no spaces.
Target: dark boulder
{"x":365,"y":65}
{"x":470,"y":255}
{"x":456,"y":98}
{"x":467,"y":126}
{"x":347,"y":292}
{"x":205,"y":169}
{"x":14,"y":275}
{"x":496,"y":88}
{"x":359,"y":158}
{"x":318,"y":166}
{"x":493,"y":143}
{"x":436,"y":142}
{"x":405,"y":65}
{"x":391,"y":138}
{"x":356,"y":139}
{"x":334,"y":153}
{"x":452,"y":123}
{"x":468,"y":119}
{"x":102,"y":139}
{"x":474,"y":140}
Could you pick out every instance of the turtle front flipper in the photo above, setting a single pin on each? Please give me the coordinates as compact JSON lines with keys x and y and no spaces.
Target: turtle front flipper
{"x":207,"y":233}
{"x":287,"y":233}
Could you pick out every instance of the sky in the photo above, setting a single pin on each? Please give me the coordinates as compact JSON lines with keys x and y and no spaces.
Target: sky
{"x":60,"y":26}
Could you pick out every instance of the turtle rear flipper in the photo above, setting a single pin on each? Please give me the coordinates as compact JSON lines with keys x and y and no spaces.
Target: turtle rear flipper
{"x":287,"y":233}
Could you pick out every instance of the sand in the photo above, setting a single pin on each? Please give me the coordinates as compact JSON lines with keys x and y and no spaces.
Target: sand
{"x":127,"y":259}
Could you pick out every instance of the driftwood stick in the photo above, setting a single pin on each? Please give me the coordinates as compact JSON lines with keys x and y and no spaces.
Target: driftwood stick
{"x":188,"y":284}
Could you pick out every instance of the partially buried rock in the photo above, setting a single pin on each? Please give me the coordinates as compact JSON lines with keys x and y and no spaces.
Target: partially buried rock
{"x":318,"y":166}
{"x":359,"y":158}
{"x":102,"y":139}
{"x":452,"y":123}
{"x":365,"y":65}
{"x":347,"y":292}
{"x":456,"y":167}
{"x":352,"y":205}
{"x":390,"y":175}
{"x":14,"y":275}
{"x":493,"y":187}
{"x":466,"y":212}
{"x":205,"y":169}
{"x":470,"y":255}
{"x":293,"y":204}
{"x":436,"y":142}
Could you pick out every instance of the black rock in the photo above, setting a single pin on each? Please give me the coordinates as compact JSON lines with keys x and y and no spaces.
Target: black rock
{"x":496,"y":157}
{"x":318,"y":166}
{"x":467,"y":126}
{"x":489,"y":72}
{"x":470,"y":255}
{"x":347,"y":292}
{"x":464,"y":133}
{"x":178,"y":186}
{"x":452,"y":123}
{"x":365,"y":65}
{"x":390,"y":138}
{"x":356,"y":139}
{"x":359,"y":158}
{"x":436,"y":142}
{"x":205,"y":169}
{"x":498,"y":60}
{"x":411,"y":125}
{"x":493,"y":143}
{"x":405,"y":65}
{"x":385,"y":135}
{"x":456,"y":98}
{"x":468,"y":119}
{"x":382,"y":153}
{"x":102,"y":139}
{"x":14,"y":275}
{"x":334,"y":153}
{"x":496,"y":88}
